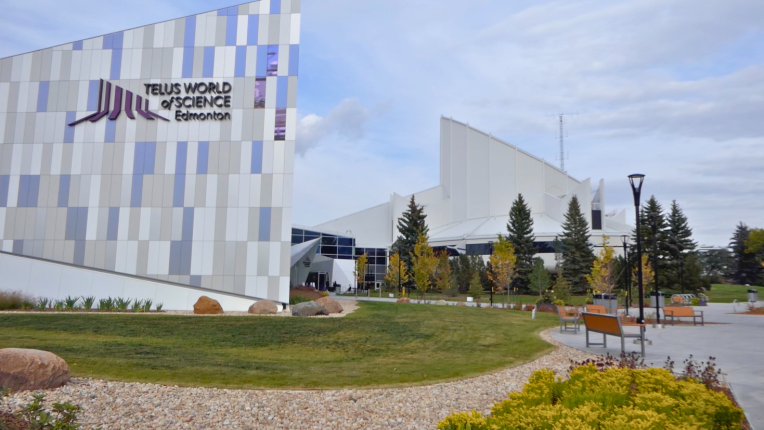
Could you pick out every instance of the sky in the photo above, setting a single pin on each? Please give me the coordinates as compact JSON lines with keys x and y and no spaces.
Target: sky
{"x":673,"y":89}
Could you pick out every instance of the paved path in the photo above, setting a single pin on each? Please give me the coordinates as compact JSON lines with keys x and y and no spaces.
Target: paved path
{"x":737,"y":344}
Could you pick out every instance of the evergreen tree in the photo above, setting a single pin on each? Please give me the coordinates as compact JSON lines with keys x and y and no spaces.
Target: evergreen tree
{"x":539,"y":277}
{"x":678,"y":243}
{"x":577,"y":254}
{"x":476,"y":288}
{"x":520,"y":228}
{"x":411,"y":225}
{"x":652,"y":211}
{"x":745,"y":267}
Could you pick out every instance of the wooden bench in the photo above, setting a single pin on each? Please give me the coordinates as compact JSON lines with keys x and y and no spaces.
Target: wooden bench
{"x":596,"y":309}
{"x":611,"y":325}
{"x":684,"y":312}
{"x":566,"y":318}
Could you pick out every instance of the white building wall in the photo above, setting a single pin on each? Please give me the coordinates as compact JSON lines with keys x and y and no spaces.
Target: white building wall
{"x":503,"y":183}
{"x":46,"y":279}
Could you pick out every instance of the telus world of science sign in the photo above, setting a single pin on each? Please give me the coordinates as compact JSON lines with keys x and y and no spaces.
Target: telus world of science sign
{"x":164,"y":151}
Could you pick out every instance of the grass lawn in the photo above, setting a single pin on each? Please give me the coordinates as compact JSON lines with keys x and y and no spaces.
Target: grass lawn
{"x":381,"y":344}
{"x":725,"y":293}
{"x":524,"y":299}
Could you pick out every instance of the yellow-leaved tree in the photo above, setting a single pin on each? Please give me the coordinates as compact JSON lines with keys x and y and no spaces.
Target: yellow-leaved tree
{"x":396,"y":272}
{"x":503,"y":265}
{"x":443,"y":274}
{"x":360,"y":270}
{"x":423,"y":265}
{"x":647,"y":273}
{"x":601,"y":278}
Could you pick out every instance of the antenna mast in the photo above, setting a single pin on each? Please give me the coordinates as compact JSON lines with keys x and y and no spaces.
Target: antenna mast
{"x":562,"y":139}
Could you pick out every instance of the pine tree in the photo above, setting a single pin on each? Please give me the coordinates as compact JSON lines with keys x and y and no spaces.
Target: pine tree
{"x":679,"y":242}
{"x":577,"y":254}
{"x":652,"y":211}
{"x":476,"y":288}
{"x":503,"y":262}
{"x":520,"y":228}
{"x":411,"y":225}
{"x":539,"y":277}
{"x":745,"y":267}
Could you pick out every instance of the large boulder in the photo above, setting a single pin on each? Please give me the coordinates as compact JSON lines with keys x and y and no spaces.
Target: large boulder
{"x":404,"y":300}
{"x":308,"y":309}
{"x":331,"y":305}
{"x":462,"y":304}
{"x":441,"y":303}
{"x":31,"y":369}
{"x":263,"y":307}
{"x":207,"y":306}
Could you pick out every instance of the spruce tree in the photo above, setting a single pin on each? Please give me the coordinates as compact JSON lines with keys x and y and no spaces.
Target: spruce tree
{"x":679,"y":242}
{"x":745,"y":267}
{"x":520,"y":228}
{"x":411,"y":225}
{"x":653,"y":211}
{"x":577,"y":254}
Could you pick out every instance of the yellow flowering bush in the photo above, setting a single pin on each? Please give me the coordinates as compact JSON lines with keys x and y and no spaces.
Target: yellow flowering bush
{"x":616,"y":398}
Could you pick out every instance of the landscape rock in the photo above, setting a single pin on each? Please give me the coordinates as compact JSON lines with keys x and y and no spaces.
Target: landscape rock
{"x":331,"y":305}
{"x":31,"y":369}
{"x":441,"y":303}
{"x":404,"y":300}
{"x":462,"y":304}
{"x":264,"y":307}
{"x":308,"y":309}
{"x":207,"y":306}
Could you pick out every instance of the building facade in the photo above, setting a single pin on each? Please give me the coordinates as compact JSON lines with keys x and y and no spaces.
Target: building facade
{"x":480,"y":178}
{"x":161,"y":155}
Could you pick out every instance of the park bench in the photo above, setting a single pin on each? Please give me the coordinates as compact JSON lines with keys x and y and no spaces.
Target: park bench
{"x":610,"y":325}
{"x":596,"y":309}
{"x":566,"y":318}
{"x":684,"y":312}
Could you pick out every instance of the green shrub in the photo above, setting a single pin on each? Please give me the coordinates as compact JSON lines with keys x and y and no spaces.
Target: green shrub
{"x":695,"y":301}
{"x":620,"y":398}
{"x":137,"y":305}
{"x":15,"y":300}
{"x":147,"y":305}
{"x":121,"y":304}
{"x":70,"y":303}
{"x":59,"y":305}
{"x":159,"y":307}
{"x":105,"y":305}
{"x":298,"y":299}
{"x":43,"y":304}
{"x":62,"y":417}
{"x":88,"y":302}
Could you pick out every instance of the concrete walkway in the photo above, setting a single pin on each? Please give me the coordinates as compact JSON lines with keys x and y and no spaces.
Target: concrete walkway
{"x":737,"y":344}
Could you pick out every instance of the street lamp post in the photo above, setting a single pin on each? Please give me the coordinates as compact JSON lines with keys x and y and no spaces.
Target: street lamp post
{"x":636,"y":181}
{"x":654,"y":227}
{"x":491,"y":245}
{"x":625,"y":240}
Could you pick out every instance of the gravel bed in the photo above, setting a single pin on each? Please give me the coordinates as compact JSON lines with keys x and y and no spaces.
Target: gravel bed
{"x":123,"y":405}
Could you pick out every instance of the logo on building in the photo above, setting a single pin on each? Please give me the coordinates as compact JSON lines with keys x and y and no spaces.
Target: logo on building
{"x":104,"y":101}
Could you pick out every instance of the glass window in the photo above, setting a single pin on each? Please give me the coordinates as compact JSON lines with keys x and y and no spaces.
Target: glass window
{"x":298,"y":231}
{"x":329,"y":240}
{"x":296,"y":239}
{"x":345,"y":241}
{"x":259,"y":93}
{"x":325,"y":249}
{"x":345,"y":250}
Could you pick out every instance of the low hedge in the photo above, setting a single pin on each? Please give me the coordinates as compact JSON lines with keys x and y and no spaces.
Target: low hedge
{"x":616,"y":398}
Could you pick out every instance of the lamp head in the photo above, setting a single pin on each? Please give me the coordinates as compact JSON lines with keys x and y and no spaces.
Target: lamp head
{"x":636,"y":181}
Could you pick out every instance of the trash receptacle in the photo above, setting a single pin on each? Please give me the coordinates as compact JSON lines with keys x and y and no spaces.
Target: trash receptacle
{"x":661,"y":299}
{"x":608,"y":300}
{"x":753,"y":295}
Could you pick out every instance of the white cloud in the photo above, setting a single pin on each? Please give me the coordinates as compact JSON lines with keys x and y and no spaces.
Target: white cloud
{"x":348,"y":120}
